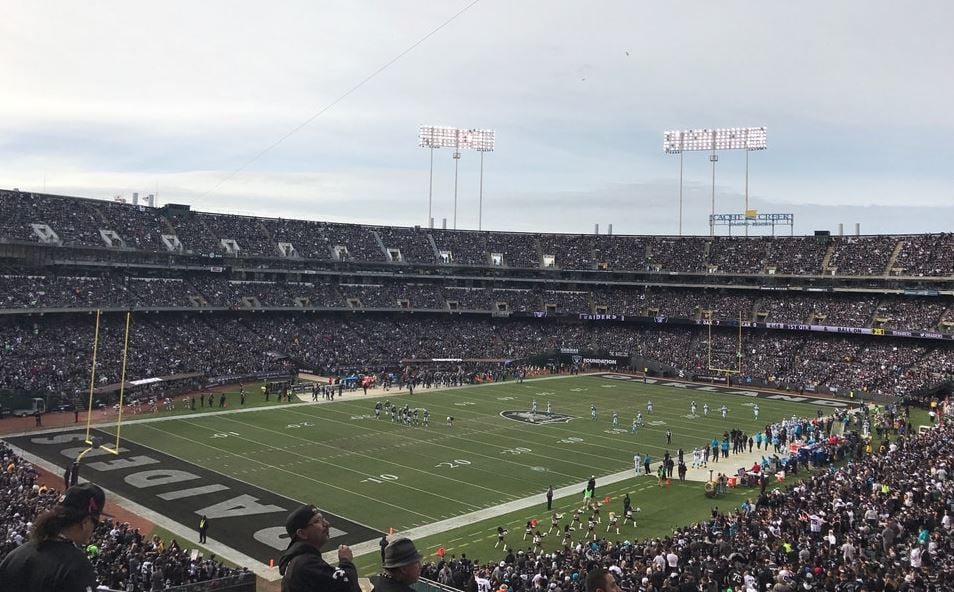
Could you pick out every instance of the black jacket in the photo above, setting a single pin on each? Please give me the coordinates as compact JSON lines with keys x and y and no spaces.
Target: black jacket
{"x":53,"y":566}
{"x":383,"y":583}
{"x":304,"y":570}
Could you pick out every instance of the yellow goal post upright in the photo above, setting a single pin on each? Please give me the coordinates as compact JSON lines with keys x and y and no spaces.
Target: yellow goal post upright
{"x":91,"y":441}
{"x":738,"y":351}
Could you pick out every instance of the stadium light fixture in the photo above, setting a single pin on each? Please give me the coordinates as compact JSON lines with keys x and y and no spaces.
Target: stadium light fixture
{"x":713,"y":140}
{"x":432,"y":136}
{"x":481,"y":141}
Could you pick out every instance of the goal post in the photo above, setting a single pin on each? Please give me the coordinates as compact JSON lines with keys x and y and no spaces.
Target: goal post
{"x":94,"y":442}
{"x":738,"y":351}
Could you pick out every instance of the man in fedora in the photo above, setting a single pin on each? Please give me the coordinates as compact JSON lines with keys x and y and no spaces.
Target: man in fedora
{"x":301,"y":564}
{"x":402,"y":567}
{"x":54,"y":560}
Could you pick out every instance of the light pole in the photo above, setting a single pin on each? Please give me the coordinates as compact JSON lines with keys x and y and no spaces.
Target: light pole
{"x":713,"y":140}
{"x":713,"y":158}
{"x":451,"y":137}
{"x":481,"y":141}
{"x":456,"y":163}
{"x":431,"y":137}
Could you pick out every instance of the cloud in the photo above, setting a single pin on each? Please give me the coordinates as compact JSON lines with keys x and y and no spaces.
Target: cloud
{"x":117,"y":97}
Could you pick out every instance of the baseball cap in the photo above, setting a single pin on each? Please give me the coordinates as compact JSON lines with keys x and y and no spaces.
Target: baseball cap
{"x":299,"y":519}
{"x":85,"y":499}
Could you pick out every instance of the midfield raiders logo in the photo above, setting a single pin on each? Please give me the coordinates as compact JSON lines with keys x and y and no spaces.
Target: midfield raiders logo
{"x":538,"y":418}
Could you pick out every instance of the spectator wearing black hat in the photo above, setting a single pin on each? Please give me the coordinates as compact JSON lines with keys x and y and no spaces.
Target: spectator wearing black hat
{"x":402,"y":567}
{"x":53,"y":560}
{"x":301,"y":564}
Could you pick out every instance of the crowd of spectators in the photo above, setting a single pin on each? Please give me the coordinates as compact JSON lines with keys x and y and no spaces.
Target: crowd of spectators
{"x":123,"y":557}
{"x":53,"y":354}
{"x":926,"y":255}
{"x":738,"y":255}
{"x":864,"y":255}
{"x":114,"y":290}
{"x":413,"y":243}
{"x":517,"y":250}
{"x":621,"y":252}
{"x":677,"y":254}
{"x":304,"y":235}
{"x":880,"y":523}
{"x":359,"y":241}
{"x":569,"y":251}
{"x":248,"y":233}
{"x":795,"y":255}
{"x":839,"y":311}
{"x":78,"y":222}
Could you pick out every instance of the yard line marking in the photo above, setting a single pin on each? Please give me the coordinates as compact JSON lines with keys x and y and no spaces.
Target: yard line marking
{"x":265,"y":445}
{"x":368,"y":456}
{"x":325,"y":483}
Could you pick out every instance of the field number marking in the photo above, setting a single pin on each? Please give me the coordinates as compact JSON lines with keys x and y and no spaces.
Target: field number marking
{"x":570,"y":440}
{"x":464,"y":403}
{"x":380,"y":478}
{"x":304,"y":424}
{"x":224,"y":434}
{"x":505,"y":398}
{"x":453,"y":464}
{"x":517,"y":450}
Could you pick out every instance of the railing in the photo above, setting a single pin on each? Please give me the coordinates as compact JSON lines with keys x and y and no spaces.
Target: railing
{"x":425,"y":585}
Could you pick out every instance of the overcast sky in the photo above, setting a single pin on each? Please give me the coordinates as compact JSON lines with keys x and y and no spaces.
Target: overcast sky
{"x":110,"y":97}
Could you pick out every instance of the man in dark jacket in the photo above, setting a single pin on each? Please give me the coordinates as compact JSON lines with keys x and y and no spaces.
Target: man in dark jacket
{"x":402,"y":567}
{"x":301,"y":565}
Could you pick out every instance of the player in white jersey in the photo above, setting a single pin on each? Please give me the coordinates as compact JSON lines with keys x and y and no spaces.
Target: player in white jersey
{"x":549,"y":408}
{"x":725,"y":411}
{"x":639,"y":419}
{"x":692,"y":408}
{"x":705,"y":409}
{"x":649,"y":406}
{"x":533,"y":407}
{"x":615,"y":419}
{"x":593,"y":412}
{"x":696,"y":457}
{"x":755,"y":410}
{"x":635,"y":426}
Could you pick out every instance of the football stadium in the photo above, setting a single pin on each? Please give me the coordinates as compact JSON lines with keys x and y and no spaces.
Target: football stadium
{"x":198,"y":396}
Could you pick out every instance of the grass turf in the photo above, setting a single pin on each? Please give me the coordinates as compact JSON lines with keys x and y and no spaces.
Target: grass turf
{"x":388,"y":475}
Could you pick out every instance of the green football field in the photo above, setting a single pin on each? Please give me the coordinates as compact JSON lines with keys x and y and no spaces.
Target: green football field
{"x":387,"y":475}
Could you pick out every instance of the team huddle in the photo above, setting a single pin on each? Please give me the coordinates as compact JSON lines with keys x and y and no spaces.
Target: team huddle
{"x":420,"y":417}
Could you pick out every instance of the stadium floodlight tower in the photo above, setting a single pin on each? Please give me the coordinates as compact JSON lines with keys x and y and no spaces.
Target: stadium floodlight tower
{"x":481,"y":141}
{"x":713,"y":140}
{"x":432,"y":137}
